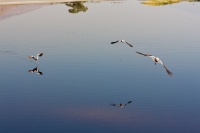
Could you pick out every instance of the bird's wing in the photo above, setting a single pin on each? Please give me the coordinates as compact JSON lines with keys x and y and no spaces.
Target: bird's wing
{"x":115,"y":42}
{"x":144,"y":54}
{"x":129,"y":44}
{"x":30,"y":71}
{"x":40,"y":73}
{"x":40,"y":54}
{"x":33,"y":70}
{"x":33,"y":57}
{"x":168,"y":72}
{"x":30,"y":57}
{"x":161,"y":62}
{"x":112,"y":104}
{"x":129,"y":102}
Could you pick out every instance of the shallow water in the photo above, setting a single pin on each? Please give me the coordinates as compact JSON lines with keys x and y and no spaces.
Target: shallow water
{"x":83,"y":73}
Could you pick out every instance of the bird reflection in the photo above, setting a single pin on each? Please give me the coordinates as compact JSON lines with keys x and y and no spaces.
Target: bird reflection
{"x":76,"y":7}
{"x":157,"y":60}
{"x":121,"y":105}
{"x":123,"y":41}
{"x":36,"y":70}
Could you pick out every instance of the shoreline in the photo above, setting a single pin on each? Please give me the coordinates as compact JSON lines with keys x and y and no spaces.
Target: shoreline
{"x":26,"y":2}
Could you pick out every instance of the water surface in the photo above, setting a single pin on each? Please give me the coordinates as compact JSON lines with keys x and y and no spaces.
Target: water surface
{"x":83,"y":73}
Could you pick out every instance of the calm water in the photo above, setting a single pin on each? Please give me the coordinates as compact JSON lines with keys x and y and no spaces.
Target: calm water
{"x":83,"y":73}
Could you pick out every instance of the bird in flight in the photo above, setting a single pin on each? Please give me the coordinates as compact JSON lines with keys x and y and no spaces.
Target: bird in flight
{"x":121,"y":105}
{"x":157,"y":60}
{"x":36,"y":58}
{"x":36,"y":70}
{"x":123,"y":41}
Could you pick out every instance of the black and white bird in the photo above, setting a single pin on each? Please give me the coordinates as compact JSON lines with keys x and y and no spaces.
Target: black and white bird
{"x":157,"y":60}
{"x":121,"y":105}
{"x":123,"y":41}
{"x":36,"y":70}
{"x":36,"y":58}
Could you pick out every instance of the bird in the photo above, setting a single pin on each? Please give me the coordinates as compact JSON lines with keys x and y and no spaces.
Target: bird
{"x":123,"y":41}
{"x":36,"y":70}
{"x":157,"y":60}
{"x":36,"y":58}
{"x":121,"y":105}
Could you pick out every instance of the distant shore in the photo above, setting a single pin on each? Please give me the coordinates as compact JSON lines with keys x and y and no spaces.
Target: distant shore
{"x":20,"y":2}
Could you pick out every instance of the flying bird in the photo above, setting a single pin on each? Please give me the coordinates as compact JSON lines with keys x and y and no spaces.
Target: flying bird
{"x":157,"y":60}
{"x":121,"y":105}
{"x":123,"y":41}
{"x":36,"y":58}
{"x":36,"y":70}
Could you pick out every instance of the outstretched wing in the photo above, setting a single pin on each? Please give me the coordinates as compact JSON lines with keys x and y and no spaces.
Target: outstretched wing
{"x":115,"y":42}
{"x":159,"y":61}
{"x":167,"y":70}
{"x":32,"y":57}
{"x":112,"y":104}
{"x":40,"y":54}
{"x":129,"y":44}
{"x":39,"y":72}
{"x":143,"y":54}
{"x":33,"y":70}
{"x":129,"y":102}
{"x":30,"y":71}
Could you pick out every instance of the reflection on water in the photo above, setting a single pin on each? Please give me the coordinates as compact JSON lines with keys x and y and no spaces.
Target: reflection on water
{"x":35,"y":70}
{"x":7,"y":52}
{"x":7,"y":11}
{"x":85,"y":72}
{"x":121,"y":105}
{"x":165,"y":2}
{"x":77,"y":7}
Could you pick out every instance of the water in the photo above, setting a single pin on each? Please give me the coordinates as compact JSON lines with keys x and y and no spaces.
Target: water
{"x":83,"y":73}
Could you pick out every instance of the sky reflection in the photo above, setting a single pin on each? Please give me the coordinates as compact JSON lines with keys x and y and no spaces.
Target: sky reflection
{"x":84,"y":73}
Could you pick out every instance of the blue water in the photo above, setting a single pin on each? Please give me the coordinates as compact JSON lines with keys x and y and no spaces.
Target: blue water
{"x":83,"y":73}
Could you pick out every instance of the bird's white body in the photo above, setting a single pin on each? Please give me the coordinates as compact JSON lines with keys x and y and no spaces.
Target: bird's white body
{"x":123,"y":41}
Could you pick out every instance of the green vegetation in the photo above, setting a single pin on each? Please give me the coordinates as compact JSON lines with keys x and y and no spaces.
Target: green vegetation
{"x":164,"y":2}
{"x":76,"y":7}
{"x":160,"y":2}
